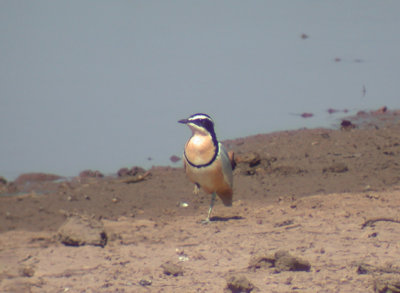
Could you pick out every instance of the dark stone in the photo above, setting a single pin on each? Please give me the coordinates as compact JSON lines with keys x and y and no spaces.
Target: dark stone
{"x":239,"y":284}
{"x":346,"y":125}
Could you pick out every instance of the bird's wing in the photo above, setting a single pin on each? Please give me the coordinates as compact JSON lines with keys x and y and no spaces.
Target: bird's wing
{"x":226,"y":165}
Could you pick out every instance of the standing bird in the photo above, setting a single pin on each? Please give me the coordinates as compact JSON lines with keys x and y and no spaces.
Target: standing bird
{"x":207,"y":163}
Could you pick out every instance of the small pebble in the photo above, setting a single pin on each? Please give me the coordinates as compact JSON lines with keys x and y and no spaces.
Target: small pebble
{"x":145,"y":282}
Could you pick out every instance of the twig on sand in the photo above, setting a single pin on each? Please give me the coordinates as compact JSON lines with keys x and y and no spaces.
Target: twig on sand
{"x":135,"y":179}
{"x":371,"y":222}
{"x":364,"y":268}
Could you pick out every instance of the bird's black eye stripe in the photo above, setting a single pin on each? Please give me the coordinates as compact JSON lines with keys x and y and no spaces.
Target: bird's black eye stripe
{"x":206,"y":123}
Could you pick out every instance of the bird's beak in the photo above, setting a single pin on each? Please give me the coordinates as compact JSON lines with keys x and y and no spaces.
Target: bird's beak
{"x":183,"y":121}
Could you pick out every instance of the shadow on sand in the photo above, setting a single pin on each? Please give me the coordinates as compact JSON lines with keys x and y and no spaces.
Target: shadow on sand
{"x":225,"y":219}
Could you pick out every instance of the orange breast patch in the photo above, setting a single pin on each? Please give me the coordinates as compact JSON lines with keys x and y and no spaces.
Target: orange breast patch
{"x":200,"y":149}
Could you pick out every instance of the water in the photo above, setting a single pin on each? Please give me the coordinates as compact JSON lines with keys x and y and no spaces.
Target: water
{"x":102,"y":87}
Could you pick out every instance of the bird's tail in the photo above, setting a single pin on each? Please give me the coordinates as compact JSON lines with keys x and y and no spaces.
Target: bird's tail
{"x":231,"y":156}
{"x":226,"y":198}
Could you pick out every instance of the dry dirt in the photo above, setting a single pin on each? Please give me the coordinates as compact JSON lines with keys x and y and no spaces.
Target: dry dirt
{"x":308,"y":192}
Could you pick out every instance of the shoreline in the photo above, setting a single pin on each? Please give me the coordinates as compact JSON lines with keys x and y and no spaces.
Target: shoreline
{"x":362,"y":119}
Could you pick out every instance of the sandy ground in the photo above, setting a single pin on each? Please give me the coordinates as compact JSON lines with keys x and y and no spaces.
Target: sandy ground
{"x":308,"y":192}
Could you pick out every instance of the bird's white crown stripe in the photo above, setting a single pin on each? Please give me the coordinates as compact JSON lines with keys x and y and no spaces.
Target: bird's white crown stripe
{"x":200,"y":117}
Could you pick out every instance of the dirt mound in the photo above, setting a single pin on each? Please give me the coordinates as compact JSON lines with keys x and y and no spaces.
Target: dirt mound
{"x":326,"y":199}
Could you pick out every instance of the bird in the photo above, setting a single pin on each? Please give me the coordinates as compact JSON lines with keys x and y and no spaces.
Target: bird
{"x":206,"y":162}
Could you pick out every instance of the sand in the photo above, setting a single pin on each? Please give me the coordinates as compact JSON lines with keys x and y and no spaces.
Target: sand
{"x":328,"y":197}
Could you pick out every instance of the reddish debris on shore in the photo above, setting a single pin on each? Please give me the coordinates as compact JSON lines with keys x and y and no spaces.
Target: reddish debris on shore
{"x":174,"y":159}
{"x":36,"y":177}
{"x":91,"y":174}
{"x":381,"y":110}
{"x":307,"y":115}
{"x":130,"y":172}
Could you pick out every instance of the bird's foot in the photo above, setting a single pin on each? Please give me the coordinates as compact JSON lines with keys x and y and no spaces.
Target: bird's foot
{"x":206,"y":221}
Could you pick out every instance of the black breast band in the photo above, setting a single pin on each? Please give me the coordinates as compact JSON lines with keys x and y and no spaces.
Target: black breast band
{"x":206,"y":164}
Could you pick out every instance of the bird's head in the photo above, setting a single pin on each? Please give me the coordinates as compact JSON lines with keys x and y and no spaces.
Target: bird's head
{"x":200,"y":123}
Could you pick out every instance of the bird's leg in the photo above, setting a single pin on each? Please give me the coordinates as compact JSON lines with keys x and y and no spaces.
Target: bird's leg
{"x":196,"y":189}
{"x":207,"y":220}
{"x":211,"y":205}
